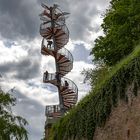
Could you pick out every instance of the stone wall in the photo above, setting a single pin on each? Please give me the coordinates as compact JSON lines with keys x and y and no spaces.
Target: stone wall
{"x":124,"y":121}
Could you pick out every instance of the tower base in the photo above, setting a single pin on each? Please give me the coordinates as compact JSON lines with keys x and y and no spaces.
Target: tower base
{"x":53,"y":114}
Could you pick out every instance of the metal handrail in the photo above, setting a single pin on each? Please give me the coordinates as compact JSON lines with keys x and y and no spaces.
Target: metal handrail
{"x":44,"y":18}
{"x":65,"y":29}
{"x":52,"y":108}
{"x":52,"y":76}
{"x":48,"y":77}
{"x":67,"y":53}
{"x":62,"y":51}
{"x":71,"y":84}
{"x":67,"y":68}
{"x":59,"y":20}
{"x":45,"y":25}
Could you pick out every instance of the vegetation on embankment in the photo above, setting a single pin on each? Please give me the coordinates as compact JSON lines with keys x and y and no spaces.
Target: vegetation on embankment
{"x":117,"y":66}
{"x":95,"y":108}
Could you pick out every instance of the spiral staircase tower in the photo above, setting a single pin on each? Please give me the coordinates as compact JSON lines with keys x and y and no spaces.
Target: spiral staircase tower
{"x":55,"y":36}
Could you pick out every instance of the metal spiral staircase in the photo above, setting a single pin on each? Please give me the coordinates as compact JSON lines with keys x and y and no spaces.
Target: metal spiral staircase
{"x":54,"y":30}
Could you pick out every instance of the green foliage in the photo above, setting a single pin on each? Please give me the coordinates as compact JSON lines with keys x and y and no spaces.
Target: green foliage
{"x":11,"y":126}
{"x":121,"y":28}
{"x":95,"y":108}
{"x":95,"y":75}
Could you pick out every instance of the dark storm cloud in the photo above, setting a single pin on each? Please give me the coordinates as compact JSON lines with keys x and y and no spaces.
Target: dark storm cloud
{"x":83,"y":13}
{"x":24,"y":69}
{"x":82,"y":16}
{"x":19,"y":19}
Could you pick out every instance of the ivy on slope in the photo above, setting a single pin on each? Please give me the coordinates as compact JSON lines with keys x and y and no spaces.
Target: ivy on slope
{"x":95,"y":108}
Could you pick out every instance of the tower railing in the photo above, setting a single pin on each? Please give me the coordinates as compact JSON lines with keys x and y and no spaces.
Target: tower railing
{"x":45,"y":29}
{"x":62,"y":51}
{"x":55,"y":36}
{"x":51,"y":77}
{"x":46,"y":25}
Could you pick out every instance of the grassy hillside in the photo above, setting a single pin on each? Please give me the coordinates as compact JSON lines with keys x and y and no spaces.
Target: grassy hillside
{"x":95,"y":108}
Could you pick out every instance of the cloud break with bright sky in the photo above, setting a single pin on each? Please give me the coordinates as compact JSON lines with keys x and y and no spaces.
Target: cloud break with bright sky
{"x":22,"y":65}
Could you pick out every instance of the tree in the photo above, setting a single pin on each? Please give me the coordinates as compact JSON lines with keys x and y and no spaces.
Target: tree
{"x":11,"y":126}
{"x":121,"y":28}
{"x":96,"y":75}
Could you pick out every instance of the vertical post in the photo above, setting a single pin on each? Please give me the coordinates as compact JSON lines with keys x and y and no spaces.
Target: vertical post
{"x":57,"y":66}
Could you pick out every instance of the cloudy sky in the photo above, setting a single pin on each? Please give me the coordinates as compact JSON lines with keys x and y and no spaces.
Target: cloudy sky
{"x":22,"y":65}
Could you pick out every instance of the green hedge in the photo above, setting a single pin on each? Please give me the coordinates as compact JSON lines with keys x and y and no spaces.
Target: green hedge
{"x":95,"y":108}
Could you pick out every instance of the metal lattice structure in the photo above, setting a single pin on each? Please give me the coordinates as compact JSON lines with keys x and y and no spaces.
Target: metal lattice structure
{"x":55,"y":36}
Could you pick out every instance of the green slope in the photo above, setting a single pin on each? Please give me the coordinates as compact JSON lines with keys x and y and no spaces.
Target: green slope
{"x":95,"y":108}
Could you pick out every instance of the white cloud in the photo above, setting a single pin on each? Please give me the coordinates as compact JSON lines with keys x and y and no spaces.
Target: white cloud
{"x":22,"y":65}
{"x":33,"y":88}
{"x":70,"y":45}
{"x":12,"y":53}
{"x":76,"y":76}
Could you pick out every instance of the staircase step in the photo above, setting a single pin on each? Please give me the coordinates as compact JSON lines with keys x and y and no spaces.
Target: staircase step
{"x":63,"y":61}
